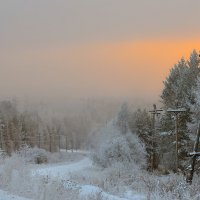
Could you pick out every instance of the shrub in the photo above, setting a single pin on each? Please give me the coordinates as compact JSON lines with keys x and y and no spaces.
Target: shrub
{"x":33,"y":155}
{"x":125,"y":149}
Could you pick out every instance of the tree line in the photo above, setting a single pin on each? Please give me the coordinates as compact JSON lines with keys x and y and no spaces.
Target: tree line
{"x":39,"y":126}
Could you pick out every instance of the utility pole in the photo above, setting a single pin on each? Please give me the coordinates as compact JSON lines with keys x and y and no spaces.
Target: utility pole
{"x":176,"y":113}
{"x":1,"y":134}
{"x":193,"y":155}
{"x":39,"y":138}
{"x":50,"y":142}
{"x":66,"y":142}
{"x":155,"y":112}
{"x":59,"y":144}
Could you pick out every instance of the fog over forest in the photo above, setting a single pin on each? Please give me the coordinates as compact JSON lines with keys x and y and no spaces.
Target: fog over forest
{"x":99,"y":100}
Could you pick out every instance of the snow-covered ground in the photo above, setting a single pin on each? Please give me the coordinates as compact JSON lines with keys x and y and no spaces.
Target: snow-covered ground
{"x":6,"y":196}
{"x":63,"y":171}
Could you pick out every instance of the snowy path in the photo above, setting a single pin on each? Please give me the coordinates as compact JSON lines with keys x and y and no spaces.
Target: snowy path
{"x":63,"y":171}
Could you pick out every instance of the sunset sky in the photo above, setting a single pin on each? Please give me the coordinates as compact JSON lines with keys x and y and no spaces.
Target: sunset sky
{"x":93,"y":48}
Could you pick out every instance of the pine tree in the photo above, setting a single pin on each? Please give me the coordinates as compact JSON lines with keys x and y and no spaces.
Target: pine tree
{"x":178,"y":85}
{"x":178,"y":92}
{"x":195,"y":108}
{"x":123,"y":118}
{"x":178,"y":88}
{"x":141,"y":123}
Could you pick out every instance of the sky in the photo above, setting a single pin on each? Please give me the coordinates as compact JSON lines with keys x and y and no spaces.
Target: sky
{"x":93,"y":48}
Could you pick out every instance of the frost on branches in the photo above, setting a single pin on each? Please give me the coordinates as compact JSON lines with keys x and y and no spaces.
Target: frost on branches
{"x":116,"y":148}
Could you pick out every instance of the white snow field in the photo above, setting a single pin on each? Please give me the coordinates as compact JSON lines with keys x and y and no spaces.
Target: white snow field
{"x":61,"y":172}
{"x":6,"y":196}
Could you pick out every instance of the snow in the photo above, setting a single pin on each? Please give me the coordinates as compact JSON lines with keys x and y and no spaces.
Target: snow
{"x":166,"y":133}
{"x":176,"y":110}
{"x":133,"y":196}
{"x":6,"y":196}
{"x":84,"y":152}
{"x":63,"y":171}
{"x":89,"y":191}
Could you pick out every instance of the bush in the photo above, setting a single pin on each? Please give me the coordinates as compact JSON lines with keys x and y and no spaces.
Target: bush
{"x":125,"y":149}
{"x":33,"y":155}
{"x":16,"y":177}
{"x":9,"y":167}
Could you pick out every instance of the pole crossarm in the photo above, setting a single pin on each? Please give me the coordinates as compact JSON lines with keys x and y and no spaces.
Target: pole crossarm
{"x":193,"y":154}
{"x":155,"y":111}
{"x":176,"y":111}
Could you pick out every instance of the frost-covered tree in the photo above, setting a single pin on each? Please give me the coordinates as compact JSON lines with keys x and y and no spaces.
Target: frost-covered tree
{"x":114,"y":147}
{"x":178,"y":88}
{"x":180,"y":82}
{"x":25,"y":127}
{"x":195,"y":108}
{"x":178,"y":92}
{"x":175,"y":86}
{"x":123,"y":119}
{"x":194,"y":80}
{"x":141,"y":123}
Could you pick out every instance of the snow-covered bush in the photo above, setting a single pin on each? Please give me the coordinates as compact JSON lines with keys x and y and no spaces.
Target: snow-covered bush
{"x":55,"y":189}
{"x":15,"y":169}
{"x":39,"y":156}
{"x":33,"y":155}
{"x":172,"y":186}
{"x":9,"y":167}
{"x":118,"y":148}
{"x":16,"y":177}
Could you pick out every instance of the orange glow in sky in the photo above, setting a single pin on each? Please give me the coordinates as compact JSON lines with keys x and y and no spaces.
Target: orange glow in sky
{"x":114,"y":68}
{"x":91,"y":48}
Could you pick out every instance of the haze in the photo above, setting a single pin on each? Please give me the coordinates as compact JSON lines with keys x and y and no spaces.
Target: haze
{"x":93,"y":48}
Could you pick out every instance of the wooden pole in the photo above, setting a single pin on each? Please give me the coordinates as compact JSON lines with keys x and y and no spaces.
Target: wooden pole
{"x":59,"y":144}
{"x":155,"y":112}
{"x":153,"y":144}
{"x":66,"y":143}
{"x":193,"y":159}
{"x":176,"y":132}
{"x":1,"y":135}
{"x":50,"y":142}
{"x":176,"y":113}
{"x":39,"y":139}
